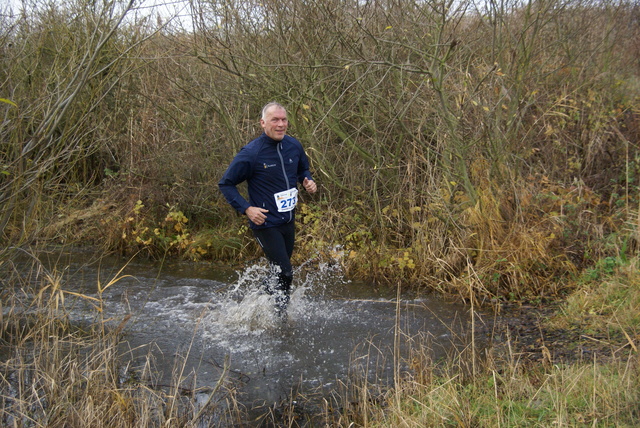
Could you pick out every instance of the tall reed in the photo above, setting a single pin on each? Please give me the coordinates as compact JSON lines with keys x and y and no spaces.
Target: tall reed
{"x":59,"y":372}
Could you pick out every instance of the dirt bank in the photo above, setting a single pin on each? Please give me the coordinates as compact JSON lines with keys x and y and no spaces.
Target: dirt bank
{"x":534,"y":337}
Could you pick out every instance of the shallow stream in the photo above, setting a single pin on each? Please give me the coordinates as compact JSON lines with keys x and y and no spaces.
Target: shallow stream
{"x":192,"y":317}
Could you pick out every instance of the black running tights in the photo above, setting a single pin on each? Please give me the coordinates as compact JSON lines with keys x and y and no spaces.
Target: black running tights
{"x":277,"y":243}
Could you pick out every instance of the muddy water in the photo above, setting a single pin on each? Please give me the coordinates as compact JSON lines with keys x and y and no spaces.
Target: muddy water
{"x":192,"y":317}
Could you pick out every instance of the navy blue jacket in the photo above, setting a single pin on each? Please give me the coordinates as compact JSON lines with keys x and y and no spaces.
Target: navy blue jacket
{"x":268,"y":166}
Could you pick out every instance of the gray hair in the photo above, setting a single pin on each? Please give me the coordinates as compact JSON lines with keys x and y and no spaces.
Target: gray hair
{"x":268,"y":105}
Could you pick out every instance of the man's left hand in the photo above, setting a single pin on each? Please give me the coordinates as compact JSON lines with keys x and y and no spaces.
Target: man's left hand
{"x":309,"y":185}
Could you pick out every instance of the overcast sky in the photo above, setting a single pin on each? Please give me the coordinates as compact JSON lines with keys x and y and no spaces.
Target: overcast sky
{"x":166,"y":9}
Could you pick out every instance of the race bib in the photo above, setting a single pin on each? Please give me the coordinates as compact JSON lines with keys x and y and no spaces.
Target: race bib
{"x":287,"y":200}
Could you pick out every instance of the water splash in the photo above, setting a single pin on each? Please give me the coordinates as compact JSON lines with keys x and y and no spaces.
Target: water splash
{"x":247,"y":307}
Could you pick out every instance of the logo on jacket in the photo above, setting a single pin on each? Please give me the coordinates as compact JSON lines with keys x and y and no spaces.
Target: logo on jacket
{"x":268,"y":165}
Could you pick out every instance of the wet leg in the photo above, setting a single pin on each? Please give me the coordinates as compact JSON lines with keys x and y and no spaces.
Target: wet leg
{"x":277,"y":244}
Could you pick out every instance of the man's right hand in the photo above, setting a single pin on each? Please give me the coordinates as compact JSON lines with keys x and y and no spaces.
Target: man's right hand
{"x":256,"y":215}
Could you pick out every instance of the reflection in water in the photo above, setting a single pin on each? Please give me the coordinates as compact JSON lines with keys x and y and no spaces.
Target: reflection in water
{"x":192,"y":318}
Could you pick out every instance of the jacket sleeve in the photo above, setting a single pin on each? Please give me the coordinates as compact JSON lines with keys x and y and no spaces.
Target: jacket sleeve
{"x":238,"y":171}
{"x":303,"y":166}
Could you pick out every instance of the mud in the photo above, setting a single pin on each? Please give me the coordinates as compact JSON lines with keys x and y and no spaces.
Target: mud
{"x":526,"y":328}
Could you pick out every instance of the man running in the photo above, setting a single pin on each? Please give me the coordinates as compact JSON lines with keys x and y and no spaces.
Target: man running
{"x":272,"y":165}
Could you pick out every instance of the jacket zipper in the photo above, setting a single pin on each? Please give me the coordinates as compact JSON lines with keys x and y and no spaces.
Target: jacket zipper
{"x":284,"y":172}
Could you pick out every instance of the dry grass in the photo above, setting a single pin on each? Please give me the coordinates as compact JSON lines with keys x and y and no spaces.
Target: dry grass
{"x":57,"y":373}
{"x":496,"y":387}
{"x":607,"y":301}
{"x":507,"y":394}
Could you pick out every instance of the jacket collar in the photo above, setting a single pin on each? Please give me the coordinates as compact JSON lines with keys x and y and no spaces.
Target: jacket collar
{"x":270,"y":140}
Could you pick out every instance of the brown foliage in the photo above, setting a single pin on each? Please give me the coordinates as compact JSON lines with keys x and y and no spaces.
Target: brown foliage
{"x":423,"y":122}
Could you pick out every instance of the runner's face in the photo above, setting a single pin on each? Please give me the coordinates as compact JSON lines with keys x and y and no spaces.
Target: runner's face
{"x":275,"y":123}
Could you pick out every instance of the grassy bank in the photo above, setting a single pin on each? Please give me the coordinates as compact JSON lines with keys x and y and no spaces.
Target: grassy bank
{"x":512,"y":394}
{"x":574,"y":365}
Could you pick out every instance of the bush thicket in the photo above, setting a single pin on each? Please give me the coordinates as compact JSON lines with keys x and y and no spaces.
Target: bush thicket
{"x":473,"y":148}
